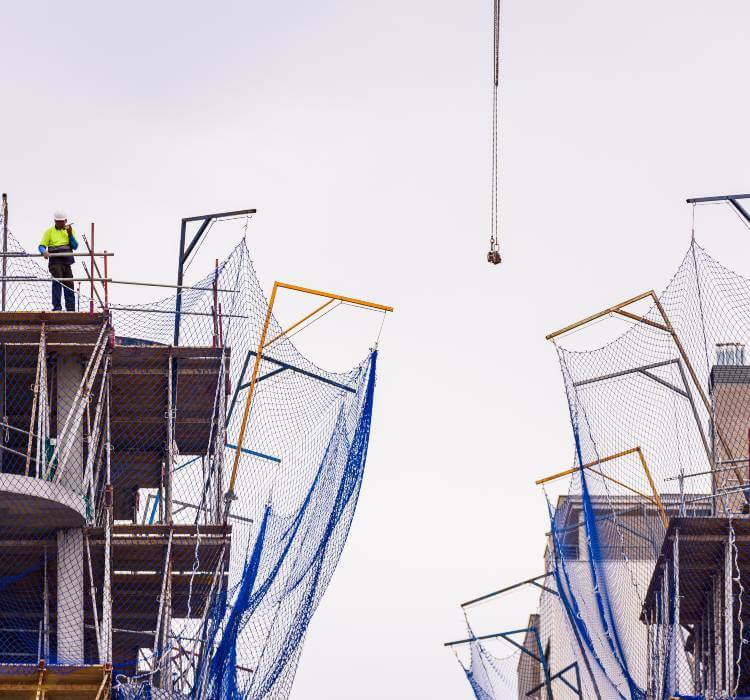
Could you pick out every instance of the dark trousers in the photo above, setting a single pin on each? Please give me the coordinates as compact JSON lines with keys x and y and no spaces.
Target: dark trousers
{"x":60,"y":271}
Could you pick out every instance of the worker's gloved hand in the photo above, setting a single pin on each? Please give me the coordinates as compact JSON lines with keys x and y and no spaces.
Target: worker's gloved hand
{"x":69,"y":228}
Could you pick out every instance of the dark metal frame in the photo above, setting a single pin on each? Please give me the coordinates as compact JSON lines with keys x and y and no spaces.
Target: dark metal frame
{"x":731,"y":198}
{"x":185,"y":253}
{"x":529,"y":581}
{"x":539,"y":658}
{"x":280,"y":367}
{"x":577,"y":690}
{"x":285,"y":365}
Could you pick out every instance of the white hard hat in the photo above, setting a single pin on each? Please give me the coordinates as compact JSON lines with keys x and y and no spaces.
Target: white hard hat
{"x":60,"y":216}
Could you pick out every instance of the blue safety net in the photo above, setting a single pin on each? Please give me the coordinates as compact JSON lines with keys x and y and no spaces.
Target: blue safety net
{"x":291,"y":564}
{"x":648,"y":572}
{"x":492,"y":673}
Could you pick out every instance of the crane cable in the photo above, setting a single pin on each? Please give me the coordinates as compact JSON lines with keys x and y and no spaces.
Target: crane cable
{"x":493,"y":256}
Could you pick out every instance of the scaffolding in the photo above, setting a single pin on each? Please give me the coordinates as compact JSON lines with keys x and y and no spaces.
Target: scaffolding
{"x":132,"y":488}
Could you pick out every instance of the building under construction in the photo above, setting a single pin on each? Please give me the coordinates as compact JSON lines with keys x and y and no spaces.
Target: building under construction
{"x":645,"y":583}
{"x":176,"y":481}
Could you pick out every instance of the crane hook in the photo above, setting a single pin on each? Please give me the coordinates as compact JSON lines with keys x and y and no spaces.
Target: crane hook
{"x":494,"y":254}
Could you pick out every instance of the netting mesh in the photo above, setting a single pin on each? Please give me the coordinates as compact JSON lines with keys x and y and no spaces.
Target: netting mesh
{"x":682,"y":398}
{"x":647,"y":552}
{"x":491,"y":676}
{"x":116,"y":451}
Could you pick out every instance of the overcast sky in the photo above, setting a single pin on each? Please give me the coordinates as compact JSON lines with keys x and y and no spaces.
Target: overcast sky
{"x":360,"y":131}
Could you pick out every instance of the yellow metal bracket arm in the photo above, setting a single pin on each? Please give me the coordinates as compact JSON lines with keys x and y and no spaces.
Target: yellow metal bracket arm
{"x":259,"y":356}
{"x":654,"y":498}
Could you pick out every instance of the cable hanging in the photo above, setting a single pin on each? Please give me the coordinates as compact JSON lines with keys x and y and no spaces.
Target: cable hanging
{"x":493,"y":256}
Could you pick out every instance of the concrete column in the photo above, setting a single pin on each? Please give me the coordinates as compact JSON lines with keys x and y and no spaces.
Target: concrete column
{"x":70,"y":542}
{"x":70,"y":596}
{"x":69,"y":376}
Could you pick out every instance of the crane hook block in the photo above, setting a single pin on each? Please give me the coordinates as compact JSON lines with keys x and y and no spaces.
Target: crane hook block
{"x":494,"y":257}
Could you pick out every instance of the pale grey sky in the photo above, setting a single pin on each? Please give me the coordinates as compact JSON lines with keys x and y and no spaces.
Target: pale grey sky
{"x":360,"y":131}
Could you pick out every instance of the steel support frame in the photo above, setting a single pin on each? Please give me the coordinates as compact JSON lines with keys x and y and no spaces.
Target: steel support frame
{"x":731,"y":198}
{"x":259,"y":356}
{"x":529,"y":581}
{"x":239,"y":447}
{"x":539,"y":657}
{"x":644,"y":370}
{"x":654,"y":498}
{"x":577,"y":689}
{"x":666,"y":326}
{"x":281,"y":367}
{"x":286,"y":366}
{"x":185,"y":253}
{"x":200,"y":687}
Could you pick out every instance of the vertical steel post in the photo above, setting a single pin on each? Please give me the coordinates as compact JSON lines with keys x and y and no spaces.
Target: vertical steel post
{"x":106,"y":284}
{"x":180,"y":272}
{"x":545,"y":666}
{"x":578,"y":681}
{"x":676,"y":607}
{"x":46,"y":609}
{"x":220,"y":442}
{"x":728,"y":616}
{"x":5,"y":245}
{"x":3,"y":397}
{"x":649,"y":653}
{"x":215,"y":308}
{"x":716,"y":641}
{"x":221,"y":328}
{"x":169,"y":466}
{"x":106,"y":633}
{"x":91,"y":271}
{"x":165,"y":650}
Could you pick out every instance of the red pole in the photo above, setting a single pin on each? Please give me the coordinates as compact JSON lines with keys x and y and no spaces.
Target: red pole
{"x":91,"y":272}
{"x":221,"y":329}
{"x":106,"y":286}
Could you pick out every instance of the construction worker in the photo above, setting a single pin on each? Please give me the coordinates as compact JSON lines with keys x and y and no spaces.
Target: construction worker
{"x":60,"y":238}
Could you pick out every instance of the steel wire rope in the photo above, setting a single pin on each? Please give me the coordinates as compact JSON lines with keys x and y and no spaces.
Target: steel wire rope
{"x":494,"y":187}
{"x":307,"y":324}
{"x":380,"y":330}
{"x":194,"y":253}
